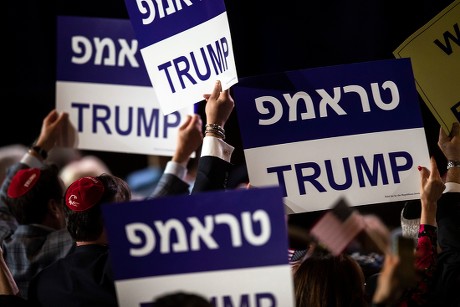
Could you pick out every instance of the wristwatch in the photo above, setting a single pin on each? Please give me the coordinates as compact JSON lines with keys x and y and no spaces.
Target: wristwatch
{"x":40,"y":151}
{"x":452,"y":163}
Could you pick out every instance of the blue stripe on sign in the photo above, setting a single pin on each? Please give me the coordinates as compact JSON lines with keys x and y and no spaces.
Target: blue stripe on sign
{"x":99,"y":50}
{"x":174,"y":20}
{"x":211,"y":209}
{"x":348,"y":84}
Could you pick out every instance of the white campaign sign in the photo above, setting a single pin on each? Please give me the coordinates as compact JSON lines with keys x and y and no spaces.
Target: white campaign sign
{"x":186,"y":47}
{"x":348,"y":131}
{"x":103,"y":85}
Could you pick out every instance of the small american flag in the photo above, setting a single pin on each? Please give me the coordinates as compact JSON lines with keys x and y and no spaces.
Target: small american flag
{"x":338,"y":227}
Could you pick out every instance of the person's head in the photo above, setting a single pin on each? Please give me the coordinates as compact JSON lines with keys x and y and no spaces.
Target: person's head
{"x":9,"y":155}
{"x":410,"y":219}
{"x":34,"y":196}
{"x":181,"y":299}
{"x":82,"y":204}
{"x":88,"y":165}
{"x":326,"y":280}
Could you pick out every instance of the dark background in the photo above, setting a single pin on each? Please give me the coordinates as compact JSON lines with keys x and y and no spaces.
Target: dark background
{"x":268,"y":36}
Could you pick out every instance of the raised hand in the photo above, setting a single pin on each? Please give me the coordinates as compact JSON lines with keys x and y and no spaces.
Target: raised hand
{"x":450,"y":144}
{"x":431,"y":188}
{"x":189,"y":139}
{"x":52,"y":128}
{"x":219,"y":105}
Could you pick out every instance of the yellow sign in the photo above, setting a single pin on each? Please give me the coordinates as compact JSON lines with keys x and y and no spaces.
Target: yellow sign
{"x":434,"y":51}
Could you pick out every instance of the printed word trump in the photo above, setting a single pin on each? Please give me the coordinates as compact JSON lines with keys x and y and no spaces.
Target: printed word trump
{"x":318,"y":175}
{"x":197,"y":65}
{"x":265,"y":299}
{"x":124,"y":120}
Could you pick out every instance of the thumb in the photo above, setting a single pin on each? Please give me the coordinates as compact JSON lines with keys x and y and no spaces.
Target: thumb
{"x":187,"y":121}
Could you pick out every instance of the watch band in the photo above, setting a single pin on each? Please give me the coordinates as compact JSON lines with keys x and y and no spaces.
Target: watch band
{"x":452,"y":163}
{"x":40,"y":151}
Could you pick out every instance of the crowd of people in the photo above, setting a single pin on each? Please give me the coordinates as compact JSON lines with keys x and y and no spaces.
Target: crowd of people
{"x":54,"y":249}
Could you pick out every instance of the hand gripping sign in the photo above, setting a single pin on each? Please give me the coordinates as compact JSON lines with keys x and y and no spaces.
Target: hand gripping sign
{"x":186,"y":46}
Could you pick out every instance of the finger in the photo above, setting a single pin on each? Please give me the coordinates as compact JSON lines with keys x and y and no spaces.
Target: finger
{"x":60,"y":119}
{"x":455,"y":129}
{"x":51,"y":117}
{"x":226,"y":96}
{"x":434,"y":168}
{"x":217,"y":90}
{"x":424,"y":172}
{"x":63,"y":117}
{"x":197,"y":120}
{"x":187,"y":121}
{"x":443,"y":137}
{"x":206,"y":96}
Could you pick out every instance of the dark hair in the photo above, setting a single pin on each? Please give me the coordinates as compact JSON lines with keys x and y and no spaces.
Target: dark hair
{"x":32,"y":207}
{"x":181,"y":299}
{"x":412,"y":209}
{"x":324,"y":280}
{"x":88,"y":225}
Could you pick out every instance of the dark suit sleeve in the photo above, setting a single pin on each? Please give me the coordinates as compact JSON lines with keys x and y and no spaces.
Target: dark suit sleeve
{"x":448,"y":220}
{"x":211,"y":175}
{"x":169,"y":184}
{"x":14,"y":300}
{"x":448,"y":266}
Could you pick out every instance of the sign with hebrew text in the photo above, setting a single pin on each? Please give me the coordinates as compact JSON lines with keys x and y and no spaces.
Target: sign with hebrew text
{"x":230,"y":247}
{"x":353,"y":131}
{"x":186,"y":46}
{"x":103,"y":84}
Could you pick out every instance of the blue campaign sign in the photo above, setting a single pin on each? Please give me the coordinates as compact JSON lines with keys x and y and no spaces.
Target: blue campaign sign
{"x":353,"y":131}
{"x":235,"y":229}
{"x":186,"y":46}
{"x":103,"y":84}
{"x":228,"y":246}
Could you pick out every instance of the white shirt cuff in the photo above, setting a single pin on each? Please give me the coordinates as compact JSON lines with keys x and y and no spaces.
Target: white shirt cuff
{"x":452,"y":187}
{"x":216,"y":147}
{"x":175,"y":168}
{"x":31,"y":160}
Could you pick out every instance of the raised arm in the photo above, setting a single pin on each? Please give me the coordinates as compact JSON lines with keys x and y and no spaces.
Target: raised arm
{"x":51,"y":130}
{"x":214,"y":163}
{"x":447,"y":218}
{"x":431,"y":188}
{"x":189,"y":139}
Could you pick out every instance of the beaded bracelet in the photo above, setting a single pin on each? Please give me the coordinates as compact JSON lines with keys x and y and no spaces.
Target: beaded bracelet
{"x":219,"y":133}
{"x":216,"y":129}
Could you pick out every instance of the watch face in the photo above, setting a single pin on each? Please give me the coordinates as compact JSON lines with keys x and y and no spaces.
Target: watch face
{"x":453,"y":164}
